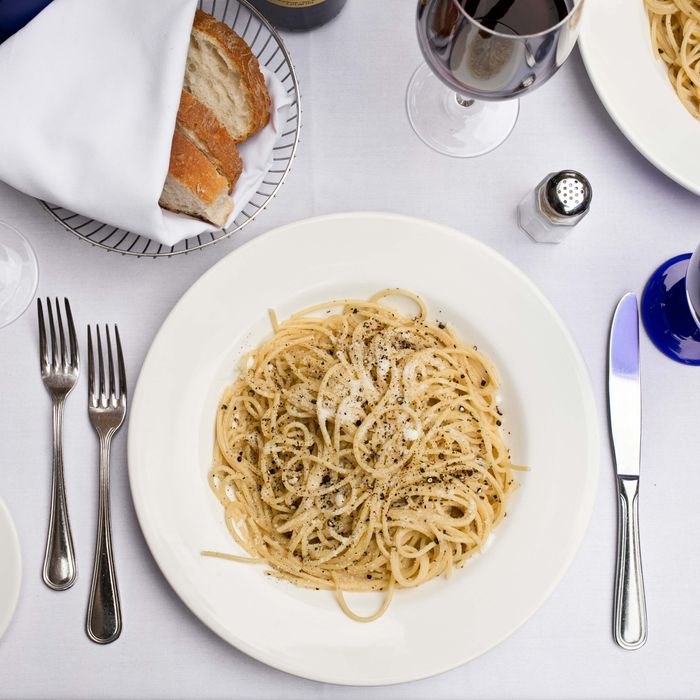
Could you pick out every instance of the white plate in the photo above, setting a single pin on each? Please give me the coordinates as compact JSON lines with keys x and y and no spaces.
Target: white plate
{"x":10,"y":568}
{"x":633,"y":86}
{"x":547,"y":401}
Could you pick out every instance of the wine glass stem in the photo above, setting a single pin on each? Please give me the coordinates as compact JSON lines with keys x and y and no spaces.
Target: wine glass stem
{"x":464,"y":109}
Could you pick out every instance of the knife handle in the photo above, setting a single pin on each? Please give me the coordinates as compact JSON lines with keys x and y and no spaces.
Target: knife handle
{"x":630,"y":614}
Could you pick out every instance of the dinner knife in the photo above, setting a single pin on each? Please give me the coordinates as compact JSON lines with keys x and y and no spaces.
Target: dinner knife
{"x":624,"y":398}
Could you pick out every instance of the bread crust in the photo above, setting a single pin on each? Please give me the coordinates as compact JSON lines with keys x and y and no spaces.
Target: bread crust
{"x":189,"y":166}
{"x":204,"y":161}
{"x":239,"y":53}
{"x":195,"y":117}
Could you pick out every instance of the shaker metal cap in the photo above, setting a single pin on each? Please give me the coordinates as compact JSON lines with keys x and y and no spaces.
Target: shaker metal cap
{"x":568,"y":193}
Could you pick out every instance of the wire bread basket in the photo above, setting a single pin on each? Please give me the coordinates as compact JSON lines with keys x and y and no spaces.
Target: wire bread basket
{"x":269,"y":48}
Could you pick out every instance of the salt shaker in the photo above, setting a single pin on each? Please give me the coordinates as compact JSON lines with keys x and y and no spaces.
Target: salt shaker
{"x":557,"y":204}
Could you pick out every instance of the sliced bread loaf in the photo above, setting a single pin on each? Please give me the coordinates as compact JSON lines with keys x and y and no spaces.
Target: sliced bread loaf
{"x":223,"y":73}
{"x":201,"y":126}
{"x":193,"y":185}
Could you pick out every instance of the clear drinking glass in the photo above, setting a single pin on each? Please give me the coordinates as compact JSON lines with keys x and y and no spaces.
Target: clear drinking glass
{"x":671,"y":308}
{"x":19,"y":274}
{"x":481,"y":55}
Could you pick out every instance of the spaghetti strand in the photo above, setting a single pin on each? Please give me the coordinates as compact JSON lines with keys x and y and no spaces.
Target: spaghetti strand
{"x":361,"y":449}
{"x":675,"y":39}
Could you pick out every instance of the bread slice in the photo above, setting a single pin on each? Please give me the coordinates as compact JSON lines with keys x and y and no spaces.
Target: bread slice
{"x":223,"y":73}
{"x":193,"y":185}
{"x":201,"y":126}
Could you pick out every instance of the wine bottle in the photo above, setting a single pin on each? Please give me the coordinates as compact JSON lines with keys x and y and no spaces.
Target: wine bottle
{"x":299,"y":15}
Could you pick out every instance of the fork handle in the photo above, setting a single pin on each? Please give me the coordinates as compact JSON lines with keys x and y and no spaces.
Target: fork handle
{"x":630,"y":613}
{"x":104,"y":616}
{"x":59,"y":570}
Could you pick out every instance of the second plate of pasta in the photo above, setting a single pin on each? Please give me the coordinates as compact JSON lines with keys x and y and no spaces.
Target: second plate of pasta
{"x":411,"y":433}
{"x":643,"y":58}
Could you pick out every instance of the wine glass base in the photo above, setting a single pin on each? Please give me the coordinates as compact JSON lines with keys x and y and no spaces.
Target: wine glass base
{"x":19,"y":274}
{"x":666,"y":312}
{"x":456,"y":126}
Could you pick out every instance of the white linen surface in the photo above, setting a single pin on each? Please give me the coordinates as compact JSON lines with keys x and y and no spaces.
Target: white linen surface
{"x":358,"y":151}
{"x":90,"y":95}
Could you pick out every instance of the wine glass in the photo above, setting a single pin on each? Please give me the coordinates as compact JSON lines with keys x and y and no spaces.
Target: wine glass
{"x":480,"y":56}
{"x":671,"y":308}
{"x":19,"y":274}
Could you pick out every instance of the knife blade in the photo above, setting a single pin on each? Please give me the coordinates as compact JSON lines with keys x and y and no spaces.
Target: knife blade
{"x":625,"y":407}
{"x":624,"y":386}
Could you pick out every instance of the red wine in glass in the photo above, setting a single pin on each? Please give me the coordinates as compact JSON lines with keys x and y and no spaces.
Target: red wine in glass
{"x":480,"y":51}
{"x":520,"y":18}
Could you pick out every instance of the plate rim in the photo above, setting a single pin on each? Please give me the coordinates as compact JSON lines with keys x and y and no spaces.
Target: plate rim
{"x":16,"y":554}
{"x":592,"y":440}
{"x":586,"y":52}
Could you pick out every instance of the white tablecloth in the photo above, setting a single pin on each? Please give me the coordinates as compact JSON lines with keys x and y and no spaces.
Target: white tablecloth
{"x":357,"y":151}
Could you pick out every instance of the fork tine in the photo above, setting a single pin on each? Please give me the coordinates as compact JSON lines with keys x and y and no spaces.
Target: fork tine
{"x":110,"y":365}
{"x":52,"y":331}
{"x":43,"y":354}
{"x":120,"y":364}
{"x":101,"y":366}
{"x":74,"y":356}
{"x":91,"y":370}
{"x":61,"y":336}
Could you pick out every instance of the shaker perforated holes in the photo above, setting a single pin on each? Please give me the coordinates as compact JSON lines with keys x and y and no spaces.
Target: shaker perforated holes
{"x":558,"y":203}
{"x":568,"y":193}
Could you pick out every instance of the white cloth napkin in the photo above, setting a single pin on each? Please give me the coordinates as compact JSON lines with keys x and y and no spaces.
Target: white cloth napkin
{"x":90,"y":92}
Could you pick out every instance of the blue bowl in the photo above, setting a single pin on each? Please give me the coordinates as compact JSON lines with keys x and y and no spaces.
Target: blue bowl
{"x":666,"y":313}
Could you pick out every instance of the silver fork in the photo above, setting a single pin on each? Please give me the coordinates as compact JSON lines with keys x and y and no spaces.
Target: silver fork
{"x":59,"y":371}
{"x":106,"y":411}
